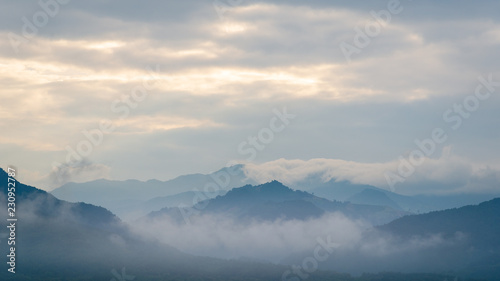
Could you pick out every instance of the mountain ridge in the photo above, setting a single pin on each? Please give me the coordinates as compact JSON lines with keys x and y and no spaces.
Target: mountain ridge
{"x":276,"y":199}
{"x":51,"y":248}
{"x":126,"y":198}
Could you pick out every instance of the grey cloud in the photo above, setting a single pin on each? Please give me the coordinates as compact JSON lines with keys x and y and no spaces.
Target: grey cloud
{"x":358,"y":111}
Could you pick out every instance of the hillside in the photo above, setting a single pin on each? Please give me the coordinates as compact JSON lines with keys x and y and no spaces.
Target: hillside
{"x":462,"y":241}
{"x":273,"y":200}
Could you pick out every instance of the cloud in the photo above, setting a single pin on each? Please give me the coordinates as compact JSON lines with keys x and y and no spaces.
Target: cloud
{"x":221,"y":77}
{"x":81,"y":171}
{"x":445,"y":174}
{"x":224,"y":237}
{"x":353,"y":246}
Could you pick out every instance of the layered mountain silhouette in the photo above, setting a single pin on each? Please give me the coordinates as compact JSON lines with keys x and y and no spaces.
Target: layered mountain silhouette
{"x":371,"y":195}
{"x":132,"y":199}
{"x":58,"y":240}
{"x":273,"y":201}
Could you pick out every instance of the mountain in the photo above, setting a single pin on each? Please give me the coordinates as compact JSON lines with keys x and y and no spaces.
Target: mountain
{"x":136,"y":209}
{"x":54,"y":237}
{"x":132,"y":199}
{"x":476,"y":226}
{"x":479,"y":222}
{"x":273,"y":200}
{"x":58,"y":240}
{"x":337,"y":190}
{"x":462,"y":242}
{"x":176,"y":200}
{"x":371,"y":195}
{"x":127,"y":198}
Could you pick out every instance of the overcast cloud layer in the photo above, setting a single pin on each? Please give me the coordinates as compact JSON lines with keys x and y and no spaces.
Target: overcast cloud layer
{"x":215,"y":75}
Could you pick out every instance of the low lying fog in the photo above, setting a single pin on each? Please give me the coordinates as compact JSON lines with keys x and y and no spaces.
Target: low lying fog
{"x":223,"y":237}
{"x":220,"y":236}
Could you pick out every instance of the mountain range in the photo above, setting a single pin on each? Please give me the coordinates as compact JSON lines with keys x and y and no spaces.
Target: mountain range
{"x":371,"y":195}
{"x":59,"y":240}
{"x":273,"y":201}
{"x":132,"y":199}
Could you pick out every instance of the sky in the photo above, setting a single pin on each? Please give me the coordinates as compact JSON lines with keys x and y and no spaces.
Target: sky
{"x":157,"y":89}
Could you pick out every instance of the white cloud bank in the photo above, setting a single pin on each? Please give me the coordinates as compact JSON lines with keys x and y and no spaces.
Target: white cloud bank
{"x":223,"y":237}
{"x":449,"y":173}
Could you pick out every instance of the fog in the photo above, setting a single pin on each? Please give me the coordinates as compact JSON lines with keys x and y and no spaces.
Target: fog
{"x":224,"y":237}
{"x":381,"y":252}
{"x":290,"y":241}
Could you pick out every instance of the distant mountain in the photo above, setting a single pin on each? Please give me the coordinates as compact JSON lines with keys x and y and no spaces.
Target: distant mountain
{"x":337,"y":190}
{"x":371,"y":195}
{"x":132,"y":199}
{"x":128,"y":198}
{"x":130,"y":211}
{"x":58,"y":240}
{"x":273,"y":201}
{"x":181,"y":199}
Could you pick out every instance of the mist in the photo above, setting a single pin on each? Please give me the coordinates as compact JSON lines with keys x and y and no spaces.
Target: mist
{"x":357,"y":246}
{"x":224,"y":237}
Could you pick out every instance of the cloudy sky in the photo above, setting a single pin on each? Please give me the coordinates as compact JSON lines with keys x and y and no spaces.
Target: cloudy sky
{"x":157,"y":89}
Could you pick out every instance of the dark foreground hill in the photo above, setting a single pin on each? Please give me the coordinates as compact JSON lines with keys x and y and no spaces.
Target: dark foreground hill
{"x":463,"y":242}
{"x":476,"y":227}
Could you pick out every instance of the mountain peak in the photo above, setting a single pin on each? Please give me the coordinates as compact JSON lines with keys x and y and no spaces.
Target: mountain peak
{"x":273,"y":191}
{"x":273,"y":185}
{"x":273,"y":188}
